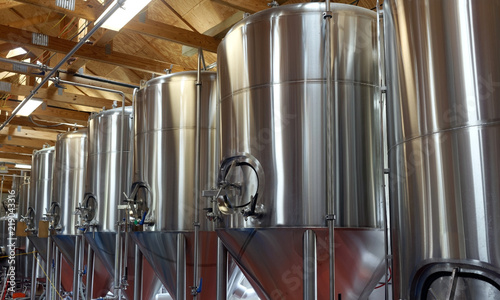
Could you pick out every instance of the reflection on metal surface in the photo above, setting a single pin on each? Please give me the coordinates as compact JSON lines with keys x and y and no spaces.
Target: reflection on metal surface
{"x":69,"y":176}
{"x":103,"y":243}
{"x":42,"y":172}
{"x":165,"y":122}
{"x":444,"y":136}
{"x":273,"y":84}
{"x":360,"y":254}
{"x":109,"y":166}
{"x":164,"y":175}
{"x":102,"y":280}
{"x":160,"y":249}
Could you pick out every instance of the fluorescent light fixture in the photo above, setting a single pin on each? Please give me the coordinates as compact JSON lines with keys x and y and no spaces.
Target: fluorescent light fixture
{"x":22,"y":166}
{"x":29,"y":107}
{"x":16,"y":52}
{"x":123,"y":15}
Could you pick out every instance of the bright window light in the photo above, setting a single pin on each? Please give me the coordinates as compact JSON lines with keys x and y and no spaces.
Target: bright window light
{"x":29,"y":107}
{"x":123,"y":15}
{"x":16,"y":52}
{"x":22,"y":166}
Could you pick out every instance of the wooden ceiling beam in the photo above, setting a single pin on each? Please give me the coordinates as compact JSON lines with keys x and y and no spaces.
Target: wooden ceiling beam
{"x":70,"y":77}
{"x":29,"y":132}
{"x":89,"y":10}
{"x":6,"y":4}
{"x":18,"y":157}
{"x":249,"y":6}
{"x":50,"y":113}
{"x":174,"y":34}
{"x":15,"y":149}
{"x":5,"y":47}
{"x":52,"y":93}
{"x":24,"y":38}
{"x":25,"y":122}
{"x":26,"y":142}
{"x":150,"y":28}
{"x":24,"y":23}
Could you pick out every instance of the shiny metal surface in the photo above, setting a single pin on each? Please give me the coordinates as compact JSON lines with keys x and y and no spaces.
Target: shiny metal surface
{"x":165,"y":121}
{"x":272,"y":86}
{"x":104,"y":246}
{"x":444,"y":135}
{"x":107,"y":176}
{"x":160,"y":250}
{"x":360,"y":255}
{"x":42,"y":174}
{"x":102,"y":280}
{"x":69,"y":177}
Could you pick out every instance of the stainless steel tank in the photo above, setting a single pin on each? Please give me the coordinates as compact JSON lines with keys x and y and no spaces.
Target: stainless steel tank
{"x":444,"y":135}
{"x":42,"y":174}
{"x":273,"y":176}
{"x":109,"y":166}
{"x":109,"y":175}
{"x":67,"y":192}
{"x":164,"y":176}
{"x":69,"y":178}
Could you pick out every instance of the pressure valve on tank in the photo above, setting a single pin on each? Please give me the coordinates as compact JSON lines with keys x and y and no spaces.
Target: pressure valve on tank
{"x":241,"y":180}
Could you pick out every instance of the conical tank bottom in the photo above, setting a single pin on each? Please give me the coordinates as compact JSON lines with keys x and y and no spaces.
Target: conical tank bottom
{"x":272,"y":260}
{"x":40,"y":245}
{"x":160,"y":249}
{"x":102,"y":280}
{"x":104,"y":246}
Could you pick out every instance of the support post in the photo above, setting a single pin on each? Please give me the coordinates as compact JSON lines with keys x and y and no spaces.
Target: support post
{"x":181,"y":267}
{"x":310,"y":266}
{"x":221,"y":270}
{"x":76,"y":265}
{"x":138,"y":274}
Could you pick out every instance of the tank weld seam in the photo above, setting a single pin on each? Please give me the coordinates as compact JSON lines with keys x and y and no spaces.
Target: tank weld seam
{"x":173,"y":129}
{"x":485,"y":124}
{"x":242,"y":90}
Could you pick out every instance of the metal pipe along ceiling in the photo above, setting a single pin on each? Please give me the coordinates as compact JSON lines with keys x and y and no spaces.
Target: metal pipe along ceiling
{"x":59,"y":64}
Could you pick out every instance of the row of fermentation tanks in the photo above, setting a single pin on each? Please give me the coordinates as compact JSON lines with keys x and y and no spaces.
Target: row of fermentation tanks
{"x":268,"y":178}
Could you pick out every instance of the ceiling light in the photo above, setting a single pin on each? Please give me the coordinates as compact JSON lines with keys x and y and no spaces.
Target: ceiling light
{"x":16,"y":52}
{"x":123,"y":15}
{"x":22,"y":166}
{"x":29,"y":107}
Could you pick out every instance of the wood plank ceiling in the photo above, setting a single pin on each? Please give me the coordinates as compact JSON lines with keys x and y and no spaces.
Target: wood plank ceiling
{"x":163,"y":36}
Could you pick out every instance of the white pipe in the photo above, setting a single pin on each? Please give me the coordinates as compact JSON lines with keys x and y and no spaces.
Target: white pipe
{"x":63,"y":61}
{"x":48,"y":288}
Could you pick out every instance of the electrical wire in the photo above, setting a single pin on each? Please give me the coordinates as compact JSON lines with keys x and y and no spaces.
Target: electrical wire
{"x":388,"y":280}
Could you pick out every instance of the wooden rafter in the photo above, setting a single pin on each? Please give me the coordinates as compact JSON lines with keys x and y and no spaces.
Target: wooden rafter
{"x":24,"y":38}
{"x":174,"y":34}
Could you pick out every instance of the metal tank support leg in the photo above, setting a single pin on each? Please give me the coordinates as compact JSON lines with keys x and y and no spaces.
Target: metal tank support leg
{"x":221,"y":270}
{"x":138,"y":273}
{"x":181,"y":267}
{"x":310,"y":266}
